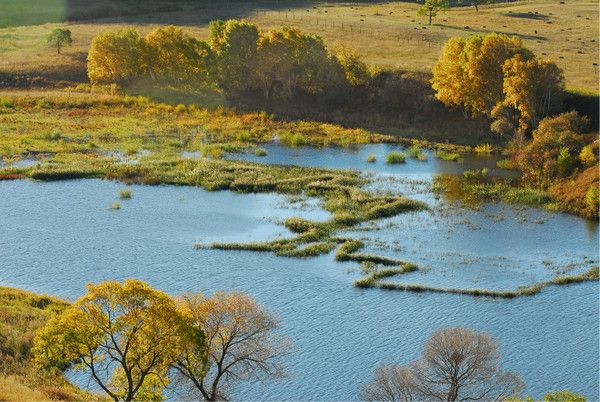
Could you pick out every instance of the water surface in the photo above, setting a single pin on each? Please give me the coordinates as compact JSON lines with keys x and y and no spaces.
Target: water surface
{"x":56,"y":237}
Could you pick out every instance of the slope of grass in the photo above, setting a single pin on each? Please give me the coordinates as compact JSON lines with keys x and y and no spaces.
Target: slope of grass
{"x":387,"y":34}
{"x":21,"y":314}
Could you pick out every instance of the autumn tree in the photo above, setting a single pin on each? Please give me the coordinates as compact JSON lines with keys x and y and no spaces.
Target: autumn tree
{"x":59,"y":38}
{"x":456,"y":364}
{"x":124,"y":335}
{"x":240,"y":344}
{"x":172,"y":55}
{"x":357,"y":73}
{"x":534,"y":88}
{"x":276,"y":65}
{"x":469,"y":72}
{"x":116,"y":57}
{"x":235,"y":45}
{"x":431,"y":8}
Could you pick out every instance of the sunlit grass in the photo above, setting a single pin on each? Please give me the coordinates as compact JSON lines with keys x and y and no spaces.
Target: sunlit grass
{"x":395,"y":157}
{"x":125,"y":193}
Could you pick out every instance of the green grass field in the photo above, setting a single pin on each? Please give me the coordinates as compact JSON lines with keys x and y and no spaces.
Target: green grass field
{"x":385,"y":34}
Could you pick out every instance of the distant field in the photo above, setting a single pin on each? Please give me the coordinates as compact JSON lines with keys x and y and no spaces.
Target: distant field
{"x":386,"y":34}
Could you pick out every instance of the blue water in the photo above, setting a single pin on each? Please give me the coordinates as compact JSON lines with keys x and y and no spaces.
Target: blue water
{"x":56,"y":237}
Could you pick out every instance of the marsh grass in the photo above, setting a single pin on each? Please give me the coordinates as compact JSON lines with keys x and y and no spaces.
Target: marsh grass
{"x":115,"y":206}
{"x":416,"y":152}
{"x":371,"y":280}
{"x":125,"y":193}
{"x":483,"y":149}
{"x":589,"y":276}
{"x":371,"y":159}
{"x":395,"y":157}
{"x":340,"y":190}
{"x":260,"y":152}
{"x":505,"y":164}
{"x":448,"y":156}
{"x":476,"y":187}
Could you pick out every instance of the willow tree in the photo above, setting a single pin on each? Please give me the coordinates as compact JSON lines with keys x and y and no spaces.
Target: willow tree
{"x":534,"y":88}
{"x":124,"y":335}
{"x":235,"y":45}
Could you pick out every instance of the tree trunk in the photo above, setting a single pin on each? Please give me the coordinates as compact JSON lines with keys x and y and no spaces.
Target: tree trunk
{"x":430,"y":15}
{"x":453,"y":393}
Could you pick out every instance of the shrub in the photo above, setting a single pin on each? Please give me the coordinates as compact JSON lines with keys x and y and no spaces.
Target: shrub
{"x":587,"y":155}
{"x":548,"y":155}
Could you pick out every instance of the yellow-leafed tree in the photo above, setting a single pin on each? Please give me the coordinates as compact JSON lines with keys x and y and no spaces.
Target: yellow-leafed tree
{"x":533,"y":87}
{"x":116,"y":57}
{"x":124,"y":335}
{"x":172,"y":55}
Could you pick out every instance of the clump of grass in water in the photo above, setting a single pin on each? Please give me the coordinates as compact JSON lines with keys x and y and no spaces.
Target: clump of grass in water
{"x":114,"y":206}
{"x":448,"y":156}
{"x":416,"y":152}
{"x":373,"y":275}
{"x":291,"y":139}
{"x":504,"y":164}
{"x":395,"y":157}
{"x":475,"y":175}
{"x":125,"y":193}
{"x":260,"y":152}
{"x":371,"y":159}
{"x":483,"y":149}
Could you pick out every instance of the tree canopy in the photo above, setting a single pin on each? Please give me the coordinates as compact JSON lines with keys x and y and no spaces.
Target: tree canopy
{"x":456,"y":364}
{"x":59,"y":38}
{"x":125,"y":335}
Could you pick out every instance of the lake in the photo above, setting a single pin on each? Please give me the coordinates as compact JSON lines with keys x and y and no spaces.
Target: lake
{"x":56,"y":237}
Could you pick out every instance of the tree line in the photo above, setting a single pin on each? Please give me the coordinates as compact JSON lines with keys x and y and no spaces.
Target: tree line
{"x":238,"y":58}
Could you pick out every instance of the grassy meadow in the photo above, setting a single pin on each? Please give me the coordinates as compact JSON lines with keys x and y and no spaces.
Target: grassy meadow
{"x":387,"y":34}
{"x":21,"y":315}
